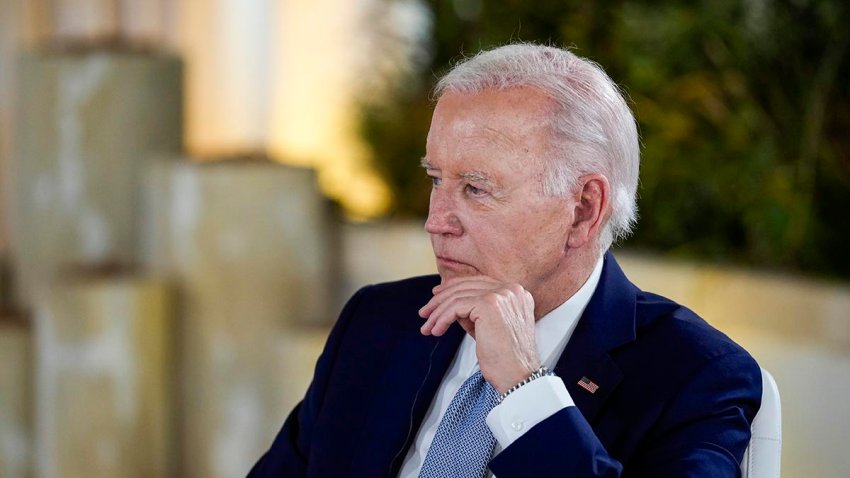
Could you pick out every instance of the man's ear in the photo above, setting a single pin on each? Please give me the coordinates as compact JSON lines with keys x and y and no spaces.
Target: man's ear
{"x":592,"y":201}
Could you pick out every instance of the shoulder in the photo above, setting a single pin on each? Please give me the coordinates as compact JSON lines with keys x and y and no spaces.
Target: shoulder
{"x":652,"y":329}
{"x":681,"y":333}
{"x":373,"y":322}
{"x":679,"y":357}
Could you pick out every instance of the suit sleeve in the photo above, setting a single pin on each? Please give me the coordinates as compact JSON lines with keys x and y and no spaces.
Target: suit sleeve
{"x":290,"y":451}
{"x":702,"y":431}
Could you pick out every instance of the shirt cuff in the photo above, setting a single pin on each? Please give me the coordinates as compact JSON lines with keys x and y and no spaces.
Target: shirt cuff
{"x":527,"y":406}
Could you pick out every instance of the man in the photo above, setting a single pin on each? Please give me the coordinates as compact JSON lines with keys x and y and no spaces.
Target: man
{"x":533,"y":155}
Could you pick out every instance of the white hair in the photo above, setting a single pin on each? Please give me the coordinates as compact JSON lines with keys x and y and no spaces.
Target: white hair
{"x":594,"y":129}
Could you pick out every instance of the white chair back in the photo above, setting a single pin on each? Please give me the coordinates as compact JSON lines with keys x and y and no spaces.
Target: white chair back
{"x":762,"y":456}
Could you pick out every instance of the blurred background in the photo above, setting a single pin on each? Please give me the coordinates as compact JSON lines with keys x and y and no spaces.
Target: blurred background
{"x":192,"y":188}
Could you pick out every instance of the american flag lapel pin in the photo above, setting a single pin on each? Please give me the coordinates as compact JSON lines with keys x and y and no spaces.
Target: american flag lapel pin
{"x":588,"y":385}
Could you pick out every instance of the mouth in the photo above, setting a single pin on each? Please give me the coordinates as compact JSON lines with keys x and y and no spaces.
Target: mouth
{"x":452,"y":264}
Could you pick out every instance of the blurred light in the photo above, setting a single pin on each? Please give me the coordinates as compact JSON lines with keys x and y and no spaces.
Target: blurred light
{"x":280,"y":77}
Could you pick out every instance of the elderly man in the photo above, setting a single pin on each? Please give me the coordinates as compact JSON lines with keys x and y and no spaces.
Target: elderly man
{"x":531,"y":354}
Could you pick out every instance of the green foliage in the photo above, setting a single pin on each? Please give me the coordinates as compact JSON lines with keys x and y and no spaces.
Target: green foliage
{"x":743,"y":108}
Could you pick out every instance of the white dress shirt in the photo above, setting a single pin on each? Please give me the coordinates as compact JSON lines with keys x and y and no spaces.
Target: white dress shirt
{"x":527,"y":406}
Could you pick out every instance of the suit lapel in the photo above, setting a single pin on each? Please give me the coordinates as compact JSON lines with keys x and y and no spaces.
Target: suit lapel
{"x":607,"y":322}
{"x":405,"y":391}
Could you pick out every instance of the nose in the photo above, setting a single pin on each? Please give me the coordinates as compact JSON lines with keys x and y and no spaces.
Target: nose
{"x":442,"y":217}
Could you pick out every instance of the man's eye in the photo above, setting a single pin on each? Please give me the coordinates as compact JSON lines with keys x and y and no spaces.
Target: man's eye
{"x":435,"y":181}
{"x":473,"y":191}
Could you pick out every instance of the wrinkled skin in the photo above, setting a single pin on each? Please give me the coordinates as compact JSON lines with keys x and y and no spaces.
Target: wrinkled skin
{"x":507,"y":253}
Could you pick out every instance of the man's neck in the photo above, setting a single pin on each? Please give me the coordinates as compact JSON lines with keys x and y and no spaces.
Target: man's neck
{"x":566,"y":280}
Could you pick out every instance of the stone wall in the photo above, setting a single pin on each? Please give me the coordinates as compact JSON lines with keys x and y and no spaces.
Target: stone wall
{"x":104,"y":365}
{"x":86,"y":125}
{"x":16,"y":395}
{"x":249,"y":244}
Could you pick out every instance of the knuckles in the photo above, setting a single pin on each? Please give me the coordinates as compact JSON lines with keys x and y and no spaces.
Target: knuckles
{"x":493,"y":298}
{"x":502,"y":299}
{"x":507,"y":294}
{"x":517,"y":290}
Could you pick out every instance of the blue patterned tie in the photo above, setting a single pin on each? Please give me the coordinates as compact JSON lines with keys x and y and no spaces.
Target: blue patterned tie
{"x":463,"y":443}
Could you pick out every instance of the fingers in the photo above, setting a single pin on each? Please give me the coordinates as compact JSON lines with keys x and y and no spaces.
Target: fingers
{"x":459,"y":306}
{"x":466,"y":299}
{"x":500,"y":316}
{"x":468,"y":280}
{"x":452,"y":301}
{"x":445,"y":292}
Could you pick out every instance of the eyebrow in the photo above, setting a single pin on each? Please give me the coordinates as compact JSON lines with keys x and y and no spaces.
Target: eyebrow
{"x":472,"y":176}
{"x":476,"y":177}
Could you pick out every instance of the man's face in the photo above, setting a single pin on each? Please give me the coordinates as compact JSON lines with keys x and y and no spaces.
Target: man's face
{"x":488,"y":214}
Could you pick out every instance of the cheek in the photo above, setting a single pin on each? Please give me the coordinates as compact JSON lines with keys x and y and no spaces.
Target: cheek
{"x":506,"y":244}
{"x":544,"y":232}
{"x":555,"y":229}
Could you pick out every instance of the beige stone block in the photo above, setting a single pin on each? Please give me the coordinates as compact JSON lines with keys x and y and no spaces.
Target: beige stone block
{"x":796,"y":307}
{"x":89,"y":21}
{"x":15,"y":396}
{"x":104,"y":369}
{"x":384,"y":251}
{"x":247,"y":236}
{"x":86,"y":124}
{"x":80,"y":20}
{"x":243,"y":434}
{"x":678,"y":281}
{"x":248,"y":242}
{"x":298,"y":351}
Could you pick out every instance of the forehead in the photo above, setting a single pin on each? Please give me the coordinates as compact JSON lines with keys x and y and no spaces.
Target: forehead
{"x":510,"y":128}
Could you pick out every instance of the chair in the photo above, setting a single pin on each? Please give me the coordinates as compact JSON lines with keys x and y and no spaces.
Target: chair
{"x":762,"y":456}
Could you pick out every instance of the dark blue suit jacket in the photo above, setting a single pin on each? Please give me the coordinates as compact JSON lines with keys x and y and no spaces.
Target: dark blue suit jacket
{"x":676,"y":397}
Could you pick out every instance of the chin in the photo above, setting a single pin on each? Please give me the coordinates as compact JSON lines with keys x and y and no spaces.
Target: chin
{"x":447,"y":273}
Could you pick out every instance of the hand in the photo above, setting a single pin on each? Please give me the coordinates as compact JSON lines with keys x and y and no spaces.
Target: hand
{"x":499,"y":316}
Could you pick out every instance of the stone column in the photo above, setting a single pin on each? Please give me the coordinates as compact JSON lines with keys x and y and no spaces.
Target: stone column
{"x":15,"y":396}
{"x":249,"y":243}
{"x":84,"y":20}
{"x":86,"y":124}
{"x":384,"y":251}
{"x":297,"y":352}
{"x":104,"y":370}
